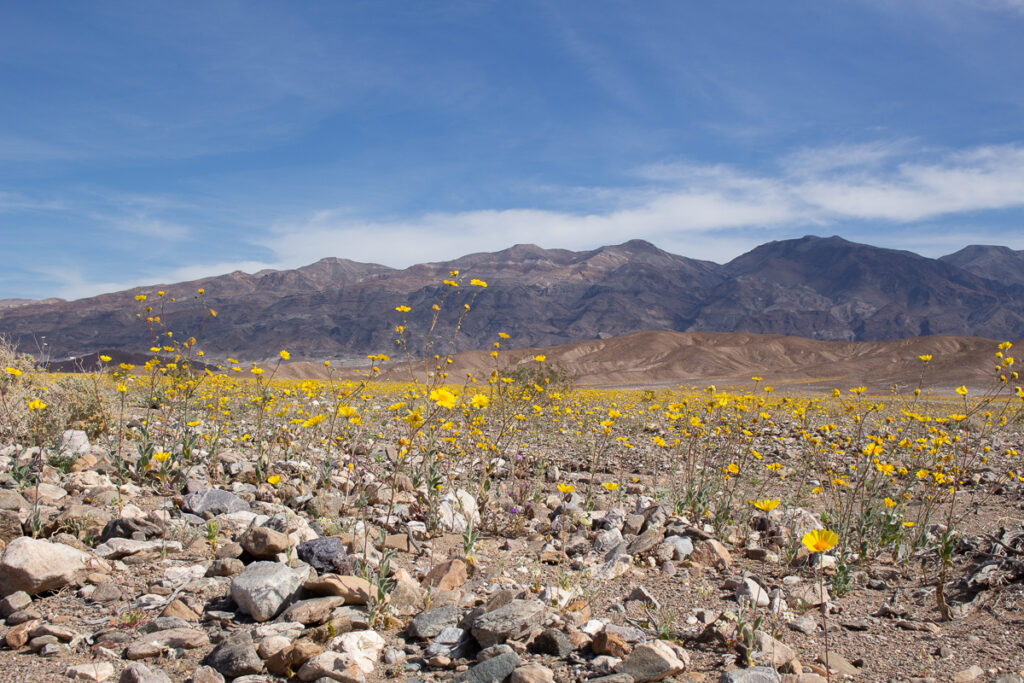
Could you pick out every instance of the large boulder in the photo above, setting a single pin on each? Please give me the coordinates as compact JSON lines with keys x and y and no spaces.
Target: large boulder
{"x":264,"y":589}
{"x":34,"y":565}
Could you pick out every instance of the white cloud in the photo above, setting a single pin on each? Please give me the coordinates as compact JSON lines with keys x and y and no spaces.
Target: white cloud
{"x":885,"y":182}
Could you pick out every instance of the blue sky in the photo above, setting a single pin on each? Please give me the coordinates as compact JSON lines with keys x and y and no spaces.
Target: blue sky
{"x":156,"y":142}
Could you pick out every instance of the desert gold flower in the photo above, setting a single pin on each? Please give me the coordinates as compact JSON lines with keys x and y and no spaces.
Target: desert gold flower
{"x":925,"y":357}
{"x":540,"y":358}
{"x":443,"y":398}
{"x":566,"y":488}
{"x":105,"y":358}
{"x":161,"y":456}
{"x":402,"y":309}
{"x":766,"y":505}
{"x":274,"y":480}
{"x":820,"y":540}
{"x":962,"y":390}
{"x":140,"y":297}
{"x":346,"y":411}
{"x":36,"y":404}
{"x":256,"y":371}
{"x":610,"y":485}
{"x":284,"y":355}
{"x":16,"y":372}
{"x":732,"y":468}
{"x":480,"y":401}
{"x":477,"y":283}
{"x":889,"y":502}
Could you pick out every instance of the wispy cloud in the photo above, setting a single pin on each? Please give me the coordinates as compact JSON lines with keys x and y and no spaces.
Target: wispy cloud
{"x":878,"y":182}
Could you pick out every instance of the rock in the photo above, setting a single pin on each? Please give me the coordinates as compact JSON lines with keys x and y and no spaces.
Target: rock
{"x":13,"y":603}
{"x":335,"y":666}
{"x":34,"y":566}
{"x":264,"y":543}
{"x":652,"y":661}
{"x":407,"y":598}
{"x":177,"y":608}
{"x":94,"y":671}
{"x":642,"y":595}
{"x":228,"y":566}
{"x":73,"y":442}
{"x":353,"y":589}
{"x":17,"y":636}
{"x":265,"y":588}
{"x":532,"y":673}
{"x":107,"y":591}
{"x":646,"y":541}
{"x":452,"y":642}
{"x":429,"y":623}
{"x":153,"y":644}
{"x":806,"y":595}
{"x":457,"y":511}
{"x":213,"y":502}
{"x":509,"y":621}
{"x":751,"y":593}
{"x":771,"y":652}
{"x":137,"y":672}
{"x":141,"y":528}
{"x":446,"y":576}
{"x":682,"y":547}
{"x":755,"y":674}
{"x":496,"y":668}
{"x":325,"y":555}
{"x":553,"y":642}
{"x":836,"y":662}
{"x":118,"y":548}
{"x":271,"y":645}
{"x":235,"y":656}
{"x":292,"y":657}
{"x":805,"y":625}
{"x":206,"y":674}
{"x":313,"y":611}
{"x":365,"y":647}
{"x":710,"y":553}
{"x":605,"y":643}
{"x":968,"y":674}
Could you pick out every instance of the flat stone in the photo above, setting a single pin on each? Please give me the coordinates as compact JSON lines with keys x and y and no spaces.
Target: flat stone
{"x":494,"y":669}
{"x":206,"y":674}
{"x":14,"y":602}
{"x":93,"y":671}
{"x":313,"y":611}
{"x":325,"y":555}
{"x":710,"y":553}
{"x":446,"y":576}
{"x":333,"y":666}
{"x":646,"y":541}
{"x":153,"y":644}
{"x":771,"y":652}
{"x":213,"y":502}
{"x":263,"y":542}
{"x":652,"y":661}
{"x":264,"y":589}
{"x":235,"y":656}
{"x":968,"y":674}
{"x":407,"y":598}
{"x":532,"y":673}
{"x":431,"y":622}
{"x":755,"y":674}
{"x":806,"y":595}
{"x":509,"y":621}
{"x":354,"y":590}
{"x":836,"y":662}
{"x":107,"y":591}
{"x":553,"y":642}
{"x":137,"y":672}
{"x":606,"y":643}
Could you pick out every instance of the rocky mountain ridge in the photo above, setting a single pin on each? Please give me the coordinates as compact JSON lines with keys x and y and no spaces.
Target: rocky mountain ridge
{"x":820,"y":288}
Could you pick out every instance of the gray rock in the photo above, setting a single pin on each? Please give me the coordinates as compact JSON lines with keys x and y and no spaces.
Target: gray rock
{"x":646,"y":541}
{"x":13,"y":603}
{"x":607,"y":539}
{"x":429,"y":623}
{"x":682,"y":547}
{"x":451,"y":642}
{"x":206,"y":674}
{"x":141,"y":528}
{"x":235,"y":656}
{"x":266,"y":588}
{"x":509,"y":621}
{"x":73,"y":442}
{"x":326,"y":555}
{"x":755,"y":674}
{"x":652,"y":661}
{"x":494,"y":669}
{"x":551,"y":641}
{"x":750,"y":592}
{"x":213,"y":502}
{"x":137,"y":672}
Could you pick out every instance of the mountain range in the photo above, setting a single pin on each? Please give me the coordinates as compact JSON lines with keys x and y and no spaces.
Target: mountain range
{"x":813,"y":287}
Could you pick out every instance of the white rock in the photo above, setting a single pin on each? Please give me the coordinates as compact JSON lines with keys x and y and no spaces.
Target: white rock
{"x":95,"y":671}
{"x":364,"y":646}
{"x":34,"y":565}
{"x":265,"y":588}
{"x":457,"y":511}
{"x":73,"y":442}
{"x":752,"y":593}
